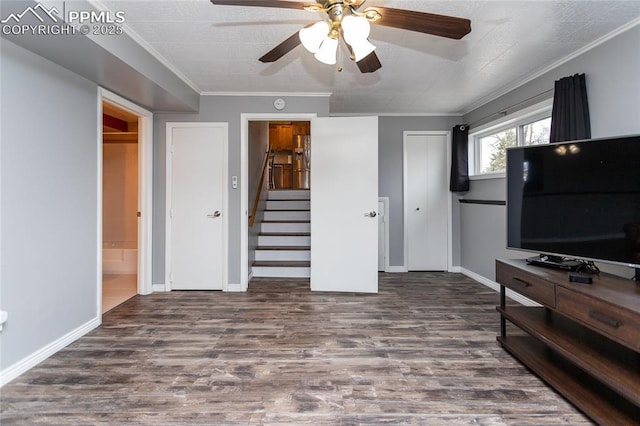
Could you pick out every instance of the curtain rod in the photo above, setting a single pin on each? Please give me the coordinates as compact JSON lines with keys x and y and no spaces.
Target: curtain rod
{"x":506,"y":110}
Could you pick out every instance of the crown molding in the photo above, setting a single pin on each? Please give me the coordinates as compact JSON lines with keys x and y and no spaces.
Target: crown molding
{"x":269,"y":94}
{"x":395,"y":114}
{"x":146,"y":46}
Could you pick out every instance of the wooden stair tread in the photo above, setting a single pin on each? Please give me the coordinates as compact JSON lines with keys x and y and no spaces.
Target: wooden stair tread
{"x":283,"y":248}
{"x":284,"y":234}
{"x":287,"y":210}
{"x":286,"y":221}
{"x":282,"y":263}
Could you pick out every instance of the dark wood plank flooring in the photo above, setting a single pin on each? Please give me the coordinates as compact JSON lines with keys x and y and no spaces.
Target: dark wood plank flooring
{"x":422,"y":351}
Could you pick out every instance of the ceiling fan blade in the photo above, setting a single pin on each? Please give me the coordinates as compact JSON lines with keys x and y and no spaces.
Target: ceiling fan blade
{"x":369,"y":63}
{"x":282,"y":49}
{"x":428,"y":23}
{"x":262,"y":3}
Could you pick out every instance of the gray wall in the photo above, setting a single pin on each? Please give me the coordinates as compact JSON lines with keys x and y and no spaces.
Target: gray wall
{"x":217,"y":109}
{"x":49,"y":177}
{"x":390,"y":140}
{"x":117,"y":63}
{"x":257,"y":149}
{"x":613,"y":87}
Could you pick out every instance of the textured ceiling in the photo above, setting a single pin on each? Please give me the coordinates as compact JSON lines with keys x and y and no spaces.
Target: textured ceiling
{"x":216,"y":48}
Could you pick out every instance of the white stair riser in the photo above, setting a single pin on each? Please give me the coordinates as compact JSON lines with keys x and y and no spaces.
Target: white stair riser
{"x":285,"y":227}
{"x":282,"y":240}
{"x":282,"y":272}
{"x":289,"y":195}
{"x":288,"y":205}
{"x":285,"y":215}
{"x":284,"y":255}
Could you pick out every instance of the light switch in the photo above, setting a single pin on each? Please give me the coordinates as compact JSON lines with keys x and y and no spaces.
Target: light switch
{"x":234,"y":182}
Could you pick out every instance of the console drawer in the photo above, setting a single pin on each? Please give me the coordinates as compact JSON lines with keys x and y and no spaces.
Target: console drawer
{"x":613,"y":321}
{"x":526,"y":284}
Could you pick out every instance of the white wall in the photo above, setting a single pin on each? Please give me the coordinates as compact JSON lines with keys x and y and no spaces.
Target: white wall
{"x":49,"y":200}
{"x":613,"y":88}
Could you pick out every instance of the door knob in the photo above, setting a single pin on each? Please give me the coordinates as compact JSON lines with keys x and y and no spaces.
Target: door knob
{"x":371,"y":214}
{"x":214,"y":215}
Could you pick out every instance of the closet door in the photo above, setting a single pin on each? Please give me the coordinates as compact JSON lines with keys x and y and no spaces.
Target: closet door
{"x":425,"y":201}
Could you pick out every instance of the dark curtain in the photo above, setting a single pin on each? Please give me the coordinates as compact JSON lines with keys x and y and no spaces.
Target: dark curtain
{"x":459,"y":181}
{"x":570,"y":115}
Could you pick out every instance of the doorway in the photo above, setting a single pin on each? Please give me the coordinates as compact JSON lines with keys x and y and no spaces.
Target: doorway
{"x":354,"y":137}
{"x":124,"y":127}
{"x":120,"y":193}
{"x":252,"y":159}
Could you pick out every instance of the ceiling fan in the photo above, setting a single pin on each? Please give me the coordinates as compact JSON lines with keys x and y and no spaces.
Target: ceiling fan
{"x":346,"y":19}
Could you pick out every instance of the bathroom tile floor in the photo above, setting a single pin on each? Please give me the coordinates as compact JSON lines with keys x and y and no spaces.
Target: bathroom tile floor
{"x":117,"y":289}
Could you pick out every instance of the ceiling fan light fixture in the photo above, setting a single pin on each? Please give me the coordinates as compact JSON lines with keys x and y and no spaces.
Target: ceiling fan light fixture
{"x":327,"y":53}
{"x":356,"y":31}
{"x":355,"y":28}
{"x":313,"y":36}
{"x":361,"y":50}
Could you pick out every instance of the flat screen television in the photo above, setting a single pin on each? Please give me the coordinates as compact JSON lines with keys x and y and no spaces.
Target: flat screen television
{"x":578,"y":199}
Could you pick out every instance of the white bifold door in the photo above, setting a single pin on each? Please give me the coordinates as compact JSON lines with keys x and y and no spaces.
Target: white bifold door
{"x":344,"y":204}
{"x":196,"y":201}
{"x":425,"y":201}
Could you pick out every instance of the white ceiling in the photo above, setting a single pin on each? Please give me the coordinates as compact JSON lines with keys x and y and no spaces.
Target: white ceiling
{"x":216,"y":49}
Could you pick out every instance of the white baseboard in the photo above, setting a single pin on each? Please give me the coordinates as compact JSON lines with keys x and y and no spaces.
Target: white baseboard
{"x":455,"y":270}
{"x":159,"y":288}
{"x":37,"y":357}
{"x":397,"y":269}
{"x":234,"y":287}
{"x":495,"y":286}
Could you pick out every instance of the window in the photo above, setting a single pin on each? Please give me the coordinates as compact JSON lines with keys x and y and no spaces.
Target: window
{"x":488,"y":146}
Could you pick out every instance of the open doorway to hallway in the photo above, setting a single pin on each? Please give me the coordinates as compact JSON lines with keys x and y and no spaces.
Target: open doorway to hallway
{"x":120,"y":195}
{"x":280,"y":177}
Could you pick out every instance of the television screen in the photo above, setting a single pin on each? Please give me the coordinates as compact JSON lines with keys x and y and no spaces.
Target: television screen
{"x":576,"y":199}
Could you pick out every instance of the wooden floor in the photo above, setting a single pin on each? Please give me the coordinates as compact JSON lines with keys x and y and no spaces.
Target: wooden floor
{"x":422,"y":351}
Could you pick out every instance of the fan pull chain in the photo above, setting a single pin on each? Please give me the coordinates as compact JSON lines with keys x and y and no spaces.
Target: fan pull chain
{"x":339,"y":57}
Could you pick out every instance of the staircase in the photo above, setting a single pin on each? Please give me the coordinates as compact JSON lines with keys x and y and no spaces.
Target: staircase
{"x":284,"y":242}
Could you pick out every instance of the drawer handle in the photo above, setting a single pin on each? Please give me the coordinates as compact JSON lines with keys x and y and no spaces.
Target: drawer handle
{"x":521,"y":282}
{"x":603,"y":319}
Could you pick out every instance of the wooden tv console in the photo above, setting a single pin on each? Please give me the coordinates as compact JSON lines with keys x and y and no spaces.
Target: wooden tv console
{"x":584,"y":340}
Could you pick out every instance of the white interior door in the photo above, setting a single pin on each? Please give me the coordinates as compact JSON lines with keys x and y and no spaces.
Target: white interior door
{"x":197,"y":213}
{"x":344,"y":202}
{"x":425,"y":201}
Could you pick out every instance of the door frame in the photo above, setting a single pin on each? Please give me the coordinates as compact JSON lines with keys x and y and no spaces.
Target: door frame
{"x":168,"y":199}
{"x":243,"y":285}
{"x":385,"y":203}
{"x":145,"y":191}
{"x":405,"y":195}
